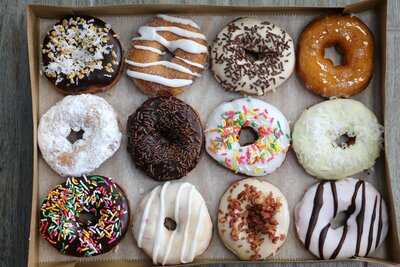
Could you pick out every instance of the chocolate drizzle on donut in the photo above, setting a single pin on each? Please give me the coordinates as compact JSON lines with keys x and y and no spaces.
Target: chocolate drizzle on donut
{"x":260,"y":71}
{"x":81,"y":53}
{"x":371,"y":228}
{"x":318,"y":202}
{"x":165,"y":138}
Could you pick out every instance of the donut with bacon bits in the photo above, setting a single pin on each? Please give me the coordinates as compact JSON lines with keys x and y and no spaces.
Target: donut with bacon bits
{"x":82,"y":54}
{"x":163,"y":35}
{"x":85,"y":216}
{"x":253,"y":219}
{"x":355,"y":41}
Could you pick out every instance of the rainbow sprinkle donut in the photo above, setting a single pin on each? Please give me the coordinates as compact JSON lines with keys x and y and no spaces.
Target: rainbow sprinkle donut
{"x":259,"y":158}
{"x":85,"y":216}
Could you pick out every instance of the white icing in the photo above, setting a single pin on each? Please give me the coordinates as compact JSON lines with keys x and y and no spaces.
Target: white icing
{"x":159,"y":79}
{"x":100,"y":140}
{"x":198,"y":65}
{"x":179,"y":20}
{"x":184,"y":204}
{"x":149,"y":48}
{"x":345,"y":189}
{"x":316,"y":130}
{"x":167,"y":64}
{"x":224,"y":154}
{"x":241,"y":247}
{"x":151,"y":34}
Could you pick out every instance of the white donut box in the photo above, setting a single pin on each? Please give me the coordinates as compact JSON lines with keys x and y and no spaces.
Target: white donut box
{"x":210,"y":178}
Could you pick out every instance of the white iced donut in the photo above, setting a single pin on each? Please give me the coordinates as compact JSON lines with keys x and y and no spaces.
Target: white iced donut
{"x":263,"y":156}
{"x":252,"y":56}
{"x":78,"y":134}
{"x":364,"y":229}
{"x":172,"y":224}
{"x":337,"y":138}
{"x":253,"y":219}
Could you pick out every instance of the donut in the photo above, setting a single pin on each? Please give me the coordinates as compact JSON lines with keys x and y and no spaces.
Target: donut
{"x":85,"y":216}
{"x":356,"y":43}
{"x":82,"y":54}
{"x":268,"y":151}
{"x":337,"y":138}
{"x":165,"y":138}
{"x":253,"y":219}
{"x":78,"y":134}
{"x":172,"y":224}
{"x":165,"y":35}
{"x":365,"y":226}
{"x":252,"y":56}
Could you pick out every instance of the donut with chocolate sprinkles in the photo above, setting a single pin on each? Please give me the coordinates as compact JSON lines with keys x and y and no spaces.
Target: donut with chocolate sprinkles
{"x":82,"y":54}
{"x":252,"y":56}
{"x":85,"y":216}
{"x":165,"y":138}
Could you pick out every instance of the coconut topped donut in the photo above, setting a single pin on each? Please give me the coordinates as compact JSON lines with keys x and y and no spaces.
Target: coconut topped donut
{"x":162,"y":35}
{"x":337,"y":138}
{"x":252,"y":56}
{"x":78,"y":134}
{"x":82,"y":54}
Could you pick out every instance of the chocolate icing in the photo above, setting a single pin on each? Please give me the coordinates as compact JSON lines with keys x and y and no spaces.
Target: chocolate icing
{"x":98,"y":77}
{"x":165,"y":138}
{"x":318,"y":201}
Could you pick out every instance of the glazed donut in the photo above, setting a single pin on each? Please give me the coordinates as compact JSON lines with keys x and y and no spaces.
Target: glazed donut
{"x":364,"y":229}
{"x":166,"y":34}
{"x":356,"y":43}
{"x":85,"y":216}
{"x":82,"y":54}
{"x":78,"y":134}
{"x":252,"y":56}
{"x":172,"y":224}
{"x":317,"y":139}
{"x":263,"y":156}
{"x":165,"y":138}
{"x":253,"y":219}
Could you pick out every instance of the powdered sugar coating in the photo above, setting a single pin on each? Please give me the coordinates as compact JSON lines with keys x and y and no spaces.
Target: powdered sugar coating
{"x":100,"y":140}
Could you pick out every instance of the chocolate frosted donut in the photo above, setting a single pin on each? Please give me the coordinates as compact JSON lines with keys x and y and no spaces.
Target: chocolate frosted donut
{"x":82,"y":54}
{"x":165,"y":138}
{"x":85,"y":216}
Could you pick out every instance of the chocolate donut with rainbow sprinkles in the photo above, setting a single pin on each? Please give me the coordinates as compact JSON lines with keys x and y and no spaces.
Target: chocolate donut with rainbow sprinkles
{"x":167,"y":35}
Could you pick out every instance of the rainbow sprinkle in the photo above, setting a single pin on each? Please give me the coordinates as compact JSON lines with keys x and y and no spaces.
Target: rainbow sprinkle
{"x":262,"y":150}
{"x":85,"y":216}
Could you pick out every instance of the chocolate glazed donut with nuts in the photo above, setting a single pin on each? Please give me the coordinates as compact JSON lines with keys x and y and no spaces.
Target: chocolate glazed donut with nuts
{"x":82,"y":54}
{"x":165,"y":138}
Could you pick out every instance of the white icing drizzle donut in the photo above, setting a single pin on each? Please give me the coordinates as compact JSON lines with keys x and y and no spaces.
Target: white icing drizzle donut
{"x":263,"y":156}
{"x":364,"y":229}
{"x":316,"y":138}
{"x":181,"y":241}
{"x":100,"y":139}
{"x":189,"y":48}
{"x":252,"y":56}
{"x":253,"y":219}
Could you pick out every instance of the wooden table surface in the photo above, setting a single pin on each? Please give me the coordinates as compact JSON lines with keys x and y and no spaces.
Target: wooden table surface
{"x":16,"y":113}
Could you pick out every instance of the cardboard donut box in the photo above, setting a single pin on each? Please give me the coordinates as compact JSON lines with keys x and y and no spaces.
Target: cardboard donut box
{"x":37,"y":12}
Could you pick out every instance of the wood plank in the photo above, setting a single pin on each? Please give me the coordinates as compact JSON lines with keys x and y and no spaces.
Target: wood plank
{"x":16,"y":126}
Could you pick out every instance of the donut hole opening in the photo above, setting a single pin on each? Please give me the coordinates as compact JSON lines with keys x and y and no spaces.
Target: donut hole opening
{"x":339,"y":220}
{"x":334,"y":54}
{"x":255,"y":56}
{"x":168,"y":136}
{"x":345,"y":140}
{"x":247,"y":136}
{"x":167,"y":56}
{"x":86,"y":218}
{"x":75,"y":135}
{"x":169,"y":223}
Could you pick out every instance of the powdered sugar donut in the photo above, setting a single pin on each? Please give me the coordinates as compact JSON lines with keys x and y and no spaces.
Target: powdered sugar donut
{"x":172,"y":224}
{"x":252,"y":56}
{"x":364,"y":229}
{"x":78,"y":134}
{"x":337,"y":138}
{"x":263,"y":156}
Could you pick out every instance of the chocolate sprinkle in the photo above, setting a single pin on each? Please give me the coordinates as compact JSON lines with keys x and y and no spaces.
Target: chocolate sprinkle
{"x":165,"y":138}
